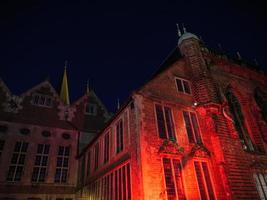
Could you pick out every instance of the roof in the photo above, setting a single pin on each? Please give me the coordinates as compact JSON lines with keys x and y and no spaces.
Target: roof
{"x":169,"y":60}
{"x":185,"y":36}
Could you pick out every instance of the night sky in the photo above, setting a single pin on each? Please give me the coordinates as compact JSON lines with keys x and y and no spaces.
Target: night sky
{"x":117,"y":44}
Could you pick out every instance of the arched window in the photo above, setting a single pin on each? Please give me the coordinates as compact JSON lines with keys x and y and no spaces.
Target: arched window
{"x":239,"y":122}
{"x":261,"y":101}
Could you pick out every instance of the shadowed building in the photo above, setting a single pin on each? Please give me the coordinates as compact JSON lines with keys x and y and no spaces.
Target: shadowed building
{"x":39,"y":135}
{"x":196,"y":130}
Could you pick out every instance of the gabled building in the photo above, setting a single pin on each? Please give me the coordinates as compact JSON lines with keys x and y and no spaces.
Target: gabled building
{"x":40,"y":135}
{"x":196,"y":130}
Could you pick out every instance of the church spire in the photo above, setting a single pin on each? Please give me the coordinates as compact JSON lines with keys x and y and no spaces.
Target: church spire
{"x":87,"y":87}
{"x":64,"y":91}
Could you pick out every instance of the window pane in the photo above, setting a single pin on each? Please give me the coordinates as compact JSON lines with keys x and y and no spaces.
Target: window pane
{"x":24,"y":147}
{"x":200,"y":181}
{"x":14,"y":158}
{"x":57,"y":175}
{"x":169,"y":123}
{"x":17,"y":147}
{"x":208,"y":181}
{"x":60,"y":150}
{"x":178,"y":179}
{"x":44,"y":161}
{"x":11,"y":172}
{"x":196,"y":128}
{"x":40,"y":148}
{"x":21,"y":159}
{"x":35,"y":174}
{"x":46,"y":149}
{"x":170,"y":186}
{"x":18,"y":173}
{"x":186,"y":87}
{"x":259,"y":187}
{"x":179,"y":85}
{"x":160,"y":122}
{"x":188,"y":127}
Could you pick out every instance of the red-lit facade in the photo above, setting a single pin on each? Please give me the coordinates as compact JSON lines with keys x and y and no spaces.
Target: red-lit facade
{"x":196,"y":130}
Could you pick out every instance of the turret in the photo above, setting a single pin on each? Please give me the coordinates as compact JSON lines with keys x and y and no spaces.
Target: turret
{"x":203,"y":85}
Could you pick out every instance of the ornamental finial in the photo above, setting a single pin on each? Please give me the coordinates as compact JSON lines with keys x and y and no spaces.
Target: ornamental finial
{"x":178,"y":30}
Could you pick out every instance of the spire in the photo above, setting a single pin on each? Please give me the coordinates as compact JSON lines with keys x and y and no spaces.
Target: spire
{"x":88,"y":86}
{"x":178,"y":30}
{"x":64,"y":91}
{"x":238,"y":55}
{"x":184,"y":29}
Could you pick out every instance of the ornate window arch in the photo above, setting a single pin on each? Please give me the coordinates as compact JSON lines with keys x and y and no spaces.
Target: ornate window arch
{"x":239,"y":121}
{"x":261,"y":100}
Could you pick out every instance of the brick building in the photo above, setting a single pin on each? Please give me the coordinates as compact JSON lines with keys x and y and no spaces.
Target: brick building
{"x":39,"y":135}
{"x":196,"y":130}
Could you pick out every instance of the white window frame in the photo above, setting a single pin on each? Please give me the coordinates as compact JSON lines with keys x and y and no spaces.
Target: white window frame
{"x":62,"y":167}
{"x":46,"y":99}
{"x":185,"y":80}
{"x":16,"y":165}
{"x":42,"y":155}
{"x":261,"y":185}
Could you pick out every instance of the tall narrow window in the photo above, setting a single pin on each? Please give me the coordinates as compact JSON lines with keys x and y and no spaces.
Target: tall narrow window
{"x":204,"y":181}
{"x":96,"y":155}
{"x":2,"y":143}
{"x":17,"y":161}
{"x":192,"y":127}
{"x":239,"y":121}
{"x":62,"y":164}
{"x":173,"y":179}
{"x":119,"y":136}
{"x":165,"y":122}
{"x":106,"y":148}
{"x":88,"y":162}
{"x":261,"y":101}
{"x":183,"y":86}
{"x":261,"y":183}
{"x":40,"y":164}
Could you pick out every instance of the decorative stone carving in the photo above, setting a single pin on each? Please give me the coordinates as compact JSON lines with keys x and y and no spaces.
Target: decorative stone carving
{"x":13,"y":104}
{"x":170,"y":147}
{"x":199,"y":150}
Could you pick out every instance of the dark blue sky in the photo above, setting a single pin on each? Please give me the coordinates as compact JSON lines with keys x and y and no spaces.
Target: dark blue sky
{"x":117,"y":44}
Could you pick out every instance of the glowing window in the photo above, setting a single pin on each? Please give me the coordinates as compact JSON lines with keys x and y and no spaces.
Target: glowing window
{"x":62,"y":167}
{"x":261,"y":183}
{"x":192,"y":127}
{"x":114,"y":185}
{"x":41,"y":162}
{"x":183,"y":85}
{"x":165,"y":122}
{"x":17,"y":162}
{"x":173,"y":179}
{"x":204,"y":181}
